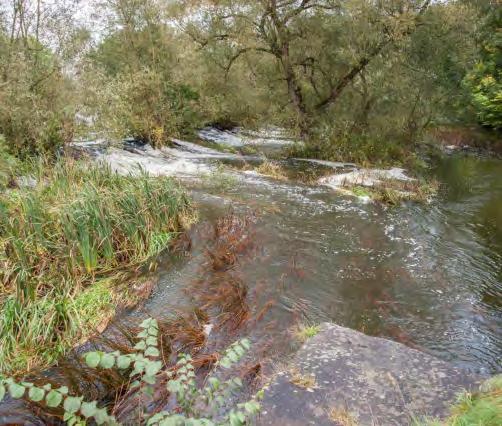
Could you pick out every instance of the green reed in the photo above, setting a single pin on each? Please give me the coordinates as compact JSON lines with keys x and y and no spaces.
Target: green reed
{"x":80,"y":225}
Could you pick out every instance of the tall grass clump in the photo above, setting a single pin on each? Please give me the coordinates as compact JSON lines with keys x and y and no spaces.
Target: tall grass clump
{"x":8,"y":163}
{"x":63,"y":242}
{"x":482,"y":408}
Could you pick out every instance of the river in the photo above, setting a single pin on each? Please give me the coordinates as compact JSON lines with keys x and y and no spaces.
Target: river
{"x":426,"y":275}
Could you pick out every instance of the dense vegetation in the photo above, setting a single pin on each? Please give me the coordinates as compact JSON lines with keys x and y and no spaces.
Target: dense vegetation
{"x":63,"y":242}
{"x":359,"y":80}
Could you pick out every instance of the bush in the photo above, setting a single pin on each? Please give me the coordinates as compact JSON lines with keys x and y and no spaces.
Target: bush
{"x":147,"y":106}
{"x":36,"y":102}
{"x":365,"y":149}
{"x":484,"y":82}
{"x":81,"y":224}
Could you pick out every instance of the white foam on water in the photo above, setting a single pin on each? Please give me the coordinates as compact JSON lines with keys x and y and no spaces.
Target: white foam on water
{"x":154,"y":163}
{"x":268,"y":136}
{"x":364,"y":177}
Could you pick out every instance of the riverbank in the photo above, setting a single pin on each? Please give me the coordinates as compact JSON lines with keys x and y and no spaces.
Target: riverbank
{"x":73,"y":238}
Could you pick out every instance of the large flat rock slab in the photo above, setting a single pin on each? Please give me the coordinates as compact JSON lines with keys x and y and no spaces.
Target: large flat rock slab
{"x":361,"y":380}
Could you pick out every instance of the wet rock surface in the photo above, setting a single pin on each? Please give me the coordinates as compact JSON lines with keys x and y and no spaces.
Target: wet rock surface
{"x":361,"y":380}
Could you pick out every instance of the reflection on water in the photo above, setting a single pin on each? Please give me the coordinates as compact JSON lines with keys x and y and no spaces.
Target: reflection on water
{"x":428,"y":276}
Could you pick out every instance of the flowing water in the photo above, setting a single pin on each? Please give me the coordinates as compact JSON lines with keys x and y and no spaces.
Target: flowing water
{"x":426,"y":275}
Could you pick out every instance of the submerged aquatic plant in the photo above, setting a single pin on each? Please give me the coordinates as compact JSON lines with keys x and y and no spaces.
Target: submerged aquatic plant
{"x":80,"y":225}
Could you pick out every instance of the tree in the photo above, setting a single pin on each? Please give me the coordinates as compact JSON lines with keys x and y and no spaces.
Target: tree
{"x":37,"y":41}
{"x":485,"y":80}
{"x":320,"y":46}
{"x":132,"y":72}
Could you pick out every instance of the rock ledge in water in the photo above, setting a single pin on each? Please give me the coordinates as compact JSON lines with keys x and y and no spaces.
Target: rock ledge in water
{"x":372,"y":380}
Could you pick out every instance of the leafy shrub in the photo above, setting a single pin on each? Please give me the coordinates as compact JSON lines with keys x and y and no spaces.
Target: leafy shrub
{"x":36,"y":102}
{"x":196,"y":406}
{"x":148,"y":106}
{"x":364,"y":149}
{"x":485,"y":81}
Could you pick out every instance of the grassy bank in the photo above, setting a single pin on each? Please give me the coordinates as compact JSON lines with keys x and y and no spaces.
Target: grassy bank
{"x":64,"y":247}
{"x":483,"y":408}
{"x":367,"y":151}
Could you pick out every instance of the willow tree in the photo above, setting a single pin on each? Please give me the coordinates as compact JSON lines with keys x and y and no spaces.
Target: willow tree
{"x":131,"y":74}
{"x":319,"y":46}
{"x":38,"y":41}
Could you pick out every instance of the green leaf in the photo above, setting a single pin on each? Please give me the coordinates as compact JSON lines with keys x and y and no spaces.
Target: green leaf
{"x":2,"y":392}
{"x":73,"y":420}
{"x":107,"y":361}
{"x":146,"y":323}
{"x":151,"y":341}
{"x":88,"y":409}
{"x":238,"y":381}
{"x":16,"y":391}
{"x":123,"y":362}
{"x":100,"y":416}
{"x":252,"y":407}
{"x":36,"y":394}
{"x":53,"y":399}
{"x":152,"y":368}
{"x":225,"y":363}
{"x":142,"y":335}
{"x":152,"y":351}
{"x":174,"y":420}
{"x":72,"y":404}
{"x":173,"y":386}
{"x":139,"y":367}
{"x":233,"y":356}
{"x":245,"y":343}
{"x":214,"y":382}
{"x":239,"y":350}
{"x":149,"y":379}
{"x":156,"y":418}
{"x":63,"y":390}
{"x":140,"y":346}
{"x":235,"y":419}
{"x":92,"y":359}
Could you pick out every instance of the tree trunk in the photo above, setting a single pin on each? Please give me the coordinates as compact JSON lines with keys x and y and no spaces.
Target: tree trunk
{"x":294,"y":91}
